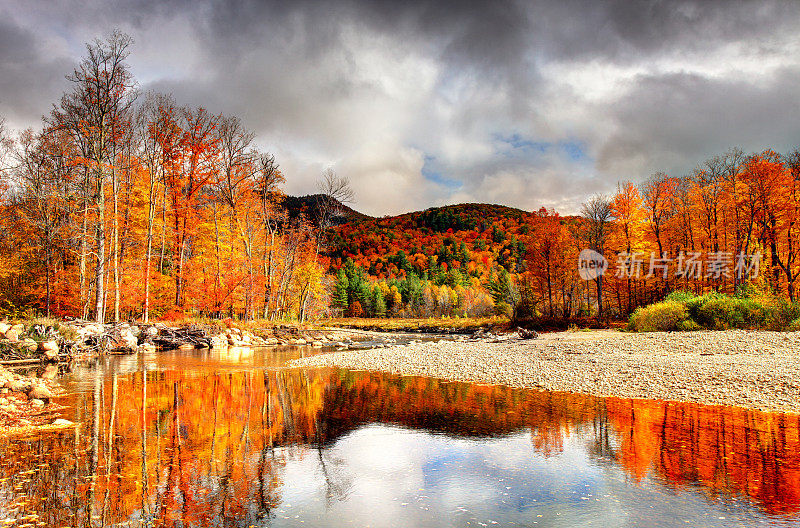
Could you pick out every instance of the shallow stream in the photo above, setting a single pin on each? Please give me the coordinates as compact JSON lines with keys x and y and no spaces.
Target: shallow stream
{"x":234,"y":439}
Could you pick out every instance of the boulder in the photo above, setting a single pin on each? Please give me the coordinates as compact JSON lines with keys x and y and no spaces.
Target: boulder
{"x":15,"y":385}
{"x":39,"y":392}
{"x":29,"y":344}
{"x":4,"y":327}
{"x":124,"y":339}
{"x":219,"y":341}
{"x":13,"y":333}
{"x":186,"y":346}
{"x":49,"y":350}
{"x":61,"y":422}
{"x":50,"y":372}
{"x":37,"y":402}
{"x":89,"y":330}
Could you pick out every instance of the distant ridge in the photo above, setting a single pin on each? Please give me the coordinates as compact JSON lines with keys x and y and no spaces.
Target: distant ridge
{"x":309,"y":206}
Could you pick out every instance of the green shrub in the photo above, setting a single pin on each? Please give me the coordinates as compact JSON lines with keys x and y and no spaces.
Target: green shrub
{"x":714,"y":310}
{"x":695,"y":304}
{"x":681,"y":296}
{"x":776,"y":313}
{"x":795,"y":325}
{"x":658,"y":317}
{"x":688,"y":325}
{"x":724,"y":312}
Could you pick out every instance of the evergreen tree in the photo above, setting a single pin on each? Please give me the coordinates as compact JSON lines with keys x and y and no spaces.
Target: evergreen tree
{"x":378,"y":302}
{"x":340,"y":296}
{"x":504,"y":294}
{"x":463,"y":254}
{"x":364,"y":295}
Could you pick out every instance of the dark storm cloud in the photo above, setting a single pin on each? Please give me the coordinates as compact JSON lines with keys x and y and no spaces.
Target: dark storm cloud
{"x":380,"y":88}
{"x":679,"y":120}
{"x":29,"y":80}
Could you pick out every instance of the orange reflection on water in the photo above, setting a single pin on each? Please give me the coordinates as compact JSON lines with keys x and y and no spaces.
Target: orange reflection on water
{"x":179,"y":448}
{"x":724,"y":449}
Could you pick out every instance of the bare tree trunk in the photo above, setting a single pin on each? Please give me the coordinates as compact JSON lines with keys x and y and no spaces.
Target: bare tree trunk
{"x":115,"y":239}
{"x":268,"y":275}
{"x":47,"y":264}
{"x":151,"y":211}
{"x":82,"y":265}
{"x":101,"y":250}
{"x":218,"y":278}
{"x":163,"y":231}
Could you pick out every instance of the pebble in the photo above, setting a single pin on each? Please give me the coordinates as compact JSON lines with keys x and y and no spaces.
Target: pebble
{"x":755,"y":369}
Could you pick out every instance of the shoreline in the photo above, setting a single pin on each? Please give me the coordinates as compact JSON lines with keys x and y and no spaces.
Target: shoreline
{"x":753,"y":369}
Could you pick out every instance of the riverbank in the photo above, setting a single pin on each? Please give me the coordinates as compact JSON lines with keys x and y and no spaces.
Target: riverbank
{"x":33,"y":341}
{"x":753,"y":369}
{"x":422,"y":325}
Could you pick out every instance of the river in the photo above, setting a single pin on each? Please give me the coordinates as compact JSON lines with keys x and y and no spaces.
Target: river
{"x":235,"y":439}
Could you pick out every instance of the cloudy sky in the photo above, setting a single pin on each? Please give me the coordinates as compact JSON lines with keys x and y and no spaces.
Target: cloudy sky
{"x":426,"y":103}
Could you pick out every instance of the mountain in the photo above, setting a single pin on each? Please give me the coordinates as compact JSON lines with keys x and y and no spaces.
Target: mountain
{"x":309,"y":206}
{"x":473,"y":238}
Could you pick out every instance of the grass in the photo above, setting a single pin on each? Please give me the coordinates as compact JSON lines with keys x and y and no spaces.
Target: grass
{"x":423,"y":325}
{"x":716,"y":311}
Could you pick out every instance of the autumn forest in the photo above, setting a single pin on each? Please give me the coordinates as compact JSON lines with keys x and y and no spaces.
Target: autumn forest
{"x":132,"y":205}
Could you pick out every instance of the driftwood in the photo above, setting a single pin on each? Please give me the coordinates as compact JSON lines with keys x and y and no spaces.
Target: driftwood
{"x":480,"y":333}
{"x":22,"y":362}
{"x":527,"y":334}
{"x":171,"y":338}
{"x":484,"y":335}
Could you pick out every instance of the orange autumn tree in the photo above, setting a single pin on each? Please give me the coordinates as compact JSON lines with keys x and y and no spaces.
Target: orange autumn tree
{"x":144,"y":208}
{"x":772,"y":189}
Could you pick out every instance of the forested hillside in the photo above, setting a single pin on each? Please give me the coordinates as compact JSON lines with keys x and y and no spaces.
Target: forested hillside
{"x":732,"y":225}
{"x":438,"y":261}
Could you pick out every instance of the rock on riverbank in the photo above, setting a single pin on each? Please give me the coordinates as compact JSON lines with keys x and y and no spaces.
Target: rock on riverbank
{"x":26,"y":402}
{"x":754,"y":369}
{"x":27,"y":341}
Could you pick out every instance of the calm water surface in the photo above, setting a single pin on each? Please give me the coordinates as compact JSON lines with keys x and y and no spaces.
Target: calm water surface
{"x":232,"y":439}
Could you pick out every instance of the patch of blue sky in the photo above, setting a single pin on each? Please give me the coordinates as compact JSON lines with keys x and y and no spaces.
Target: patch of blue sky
{"x":574,"y":150}
{"x":522,"y":144}
{"x":519,"y":146}
{"x":431,"y":172}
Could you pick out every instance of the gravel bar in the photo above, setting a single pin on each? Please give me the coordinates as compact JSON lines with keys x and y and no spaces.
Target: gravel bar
{"x":754,"y":369}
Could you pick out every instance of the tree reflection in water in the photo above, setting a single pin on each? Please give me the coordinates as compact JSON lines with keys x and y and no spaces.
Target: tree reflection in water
{"x":175,"y":448}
